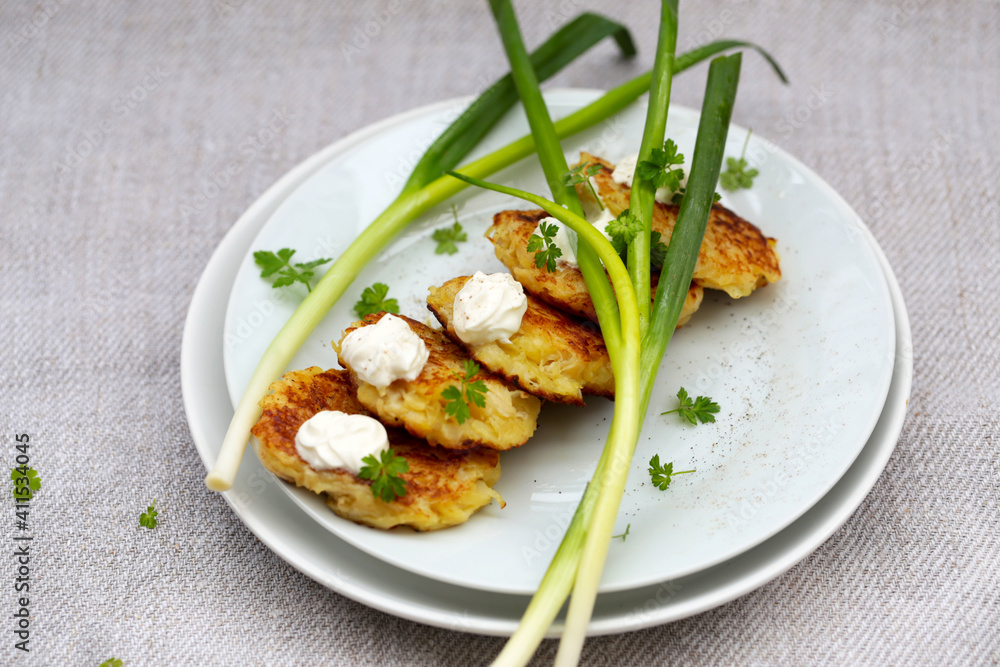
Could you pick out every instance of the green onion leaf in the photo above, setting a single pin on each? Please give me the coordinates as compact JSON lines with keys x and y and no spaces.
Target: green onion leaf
{"x":563,"y":47}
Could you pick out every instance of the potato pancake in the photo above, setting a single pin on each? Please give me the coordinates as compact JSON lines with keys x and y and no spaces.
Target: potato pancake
{"x":508,"y":419}
{"x":443,"y":487}
{"x":563,"y":288}
{"x":735,"y":256}
{"x":553,"y":355}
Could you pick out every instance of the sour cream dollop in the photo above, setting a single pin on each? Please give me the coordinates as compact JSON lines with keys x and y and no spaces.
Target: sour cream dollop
{"x":333,"y":439}
{"x":489,"y":308}
{"x":625,"y":171}
{"x":384,"y":352}
{"x":566,"y":238}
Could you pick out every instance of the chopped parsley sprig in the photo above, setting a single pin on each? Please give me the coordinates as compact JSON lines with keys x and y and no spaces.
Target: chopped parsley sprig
{"x":384,"y":474}
{"x":661,"y":475}
{"x":448,"y":237}
{"x":373,"y":300}
{"x":623,"y":535}
{"x":663,"y":170}
{"x":287,"y":273}
{"x":581,"y":173}
{"x":544,"y":246}
{"x":458,"y":398}
{"x":148,"y":518}
{"x":26,"y":482}
{"x":701,"y":409}
{"x":657,"y":250}
{"x":737,"y":175}
{"x":622,"y":230}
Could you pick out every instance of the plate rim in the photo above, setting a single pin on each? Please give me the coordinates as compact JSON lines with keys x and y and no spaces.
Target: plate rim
{"x":272,"y":198}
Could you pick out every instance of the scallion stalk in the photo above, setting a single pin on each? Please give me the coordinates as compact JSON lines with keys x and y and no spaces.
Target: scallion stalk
{"x":579,"y":561}
{"x":692,"y":219}
{"x":553,"y":161}
{"x":641,"y":201}
{"x":624,"y":431}
{"x":563,"y":47}
{"x":675,"y":279}
{"x":581,"y":556}
{"x":618,"y":316}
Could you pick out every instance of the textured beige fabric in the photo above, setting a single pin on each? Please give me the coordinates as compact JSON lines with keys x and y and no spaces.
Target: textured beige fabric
{"x":113,"y":120}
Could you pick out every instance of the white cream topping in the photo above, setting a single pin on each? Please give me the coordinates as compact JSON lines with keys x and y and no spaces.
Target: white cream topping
{"x":597,"y":216}
{"x":489,"y":308}
{"x":566,"y":238}
{"x":384,"y":352}
{"x":333,"y":439}
{"x":625,"y":171}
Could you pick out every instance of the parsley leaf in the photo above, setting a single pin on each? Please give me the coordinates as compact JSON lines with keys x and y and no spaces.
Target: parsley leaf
{"x":26,"y":482}
{"x":447,"y":237}
{"x":373,"y":300}
{"x":623,"y":535}
{"x":111,"y":662}
{"x":623,"y":230}
{"x":661,"y":475}
{"x":384,"y":474}
{"x":458,"y":398}
{"x":657,"y":250}
{"x":288,"y":274}
{"x":544,"y":247}
{"x":737,"y":175}
{"x":581,"y":173}
{"x":148,"y":518}
{"x":660,"y":169}
{"x":701,"y":409}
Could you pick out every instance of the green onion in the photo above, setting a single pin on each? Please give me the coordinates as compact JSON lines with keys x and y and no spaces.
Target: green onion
{"x":619,"y":321}
{"x":692,"y":219}
{"x":580,"y":558}
{"x":675,"y":279}
{"x":579,"y":561}
{"x":553,"y":161}
{"x":625,"y":425}
{"x":563,"y":47}
{"x":642,"y":197}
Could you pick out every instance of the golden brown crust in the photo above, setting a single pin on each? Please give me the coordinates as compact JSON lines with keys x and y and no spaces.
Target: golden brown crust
{"x":735,"y":256}
{"x":563,"y":288}
{"x":553,"y":355}
{"x":507,"y":421}
{"x":443,"y":487}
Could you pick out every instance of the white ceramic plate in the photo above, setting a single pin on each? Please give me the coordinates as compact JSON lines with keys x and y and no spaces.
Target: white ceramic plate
{"x":801,"y":369}
{"x":261,"y":504}
{"x":257,"y":499}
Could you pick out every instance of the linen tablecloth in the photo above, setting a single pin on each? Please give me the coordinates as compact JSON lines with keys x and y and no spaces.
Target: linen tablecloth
{"x":114,"y":117}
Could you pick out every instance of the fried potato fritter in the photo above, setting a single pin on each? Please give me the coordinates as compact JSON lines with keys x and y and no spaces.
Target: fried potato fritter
{"x":563,"y":288}
{"x":735,"y":256}
{"x":552,"y":355}
{"x":507,"y":421}
{"x":443,"y":487}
